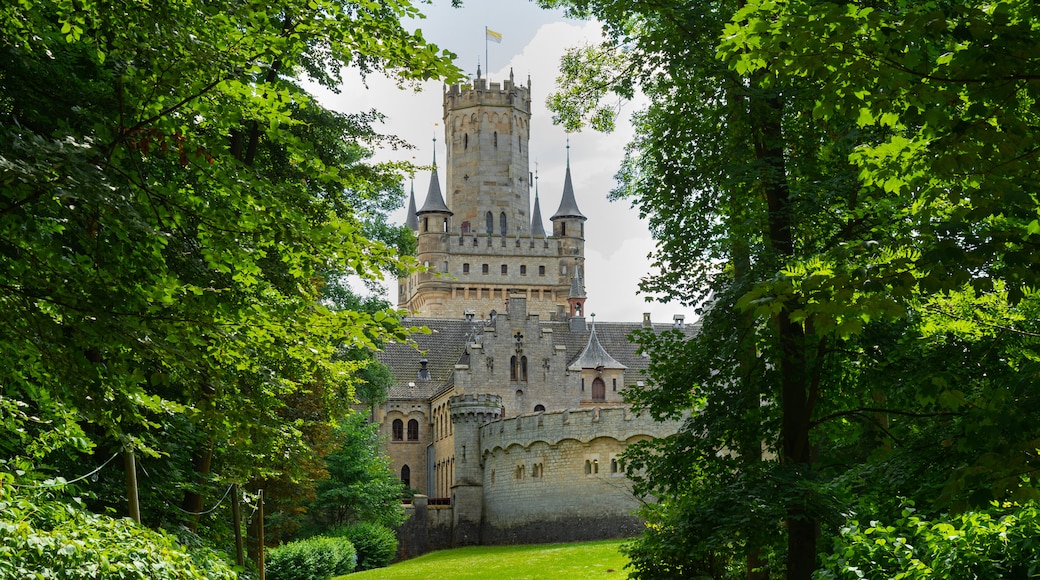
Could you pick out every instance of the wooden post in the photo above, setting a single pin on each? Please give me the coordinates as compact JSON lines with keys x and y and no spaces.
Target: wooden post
{"x":260,"y":536}
{"x":130,"y":467}
{"x":236,"y":516}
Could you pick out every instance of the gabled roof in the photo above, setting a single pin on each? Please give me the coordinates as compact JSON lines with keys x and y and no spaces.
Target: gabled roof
{"x":444,"y":347}
{"x":448,"y":342}
{"x":594,"y":356}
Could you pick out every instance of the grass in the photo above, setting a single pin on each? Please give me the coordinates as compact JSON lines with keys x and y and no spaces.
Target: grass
{"x":530,"y":562}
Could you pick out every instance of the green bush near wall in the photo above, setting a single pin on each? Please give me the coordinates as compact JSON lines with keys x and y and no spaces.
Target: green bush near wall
{"x":317,"y":558}
{"x":376,"y":545}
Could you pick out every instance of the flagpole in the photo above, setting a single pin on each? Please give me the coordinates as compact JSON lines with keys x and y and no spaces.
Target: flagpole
{"x":486,"y":65}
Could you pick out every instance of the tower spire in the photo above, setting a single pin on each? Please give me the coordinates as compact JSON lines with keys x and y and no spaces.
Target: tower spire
{"x":568,"y":205}
{"x":412,"y":221}
{"x":537,"y":230}
{"x":434,"y":200}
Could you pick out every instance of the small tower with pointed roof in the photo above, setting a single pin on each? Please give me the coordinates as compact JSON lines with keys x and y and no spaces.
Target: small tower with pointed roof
{"x":600,"y":372}
{"x":569,"y":226}
{"x":433,"y":222}
{"x":576,"y":297}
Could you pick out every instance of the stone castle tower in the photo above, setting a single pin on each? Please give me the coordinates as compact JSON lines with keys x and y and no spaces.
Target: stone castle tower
{"x":487,"y":242}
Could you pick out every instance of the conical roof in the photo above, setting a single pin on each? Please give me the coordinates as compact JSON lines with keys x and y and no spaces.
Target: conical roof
{"x":577,"y":286}
{"x":568,"y":205}
{"x":412,"y":221}
{"x":434,"y":200}
{"x":594,"y":356}
{"x":537,"y":230}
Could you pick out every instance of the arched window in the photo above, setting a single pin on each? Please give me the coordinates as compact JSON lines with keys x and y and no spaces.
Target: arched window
{"x":541,"y":270}
{"x":513,"y":369}
{"x":502,"y":222}
{"x":465,"y":141}
{"x":539,"y":407}
{"x":406,"y":476}
{"x":523,"y":368}
{"x":413,"y":430}
{"x":599,"y":390}
{"x":398,"y":430}
{"x":490,"y":222}
{"x":465,"y":268}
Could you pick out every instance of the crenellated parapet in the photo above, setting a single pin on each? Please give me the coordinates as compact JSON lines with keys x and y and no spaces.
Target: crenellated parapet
{"x":582,"y":425}
{"x":476,"y":408}
{"x":481,"y":92}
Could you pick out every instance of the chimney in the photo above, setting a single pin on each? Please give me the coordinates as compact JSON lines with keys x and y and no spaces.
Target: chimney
{"x":646,"y":320}
{"x":678,"y":322}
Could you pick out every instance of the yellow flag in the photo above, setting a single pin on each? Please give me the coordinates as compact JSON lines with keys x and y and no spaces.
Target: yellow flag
{"x":493,"y":36}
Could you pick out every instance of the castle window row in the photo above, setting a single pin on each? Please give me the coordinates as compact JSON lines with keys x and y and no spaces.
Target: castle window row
{"x":617,"y":466}
{"x":485,"y":269}
{"x":537,"y":471}
{"x":397,"y":430}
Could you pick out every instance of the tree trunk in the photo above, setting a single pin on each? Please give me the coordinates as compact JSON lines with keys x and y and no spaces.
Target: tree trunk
{"x":192,"y":502}
{"x":766,"y":110}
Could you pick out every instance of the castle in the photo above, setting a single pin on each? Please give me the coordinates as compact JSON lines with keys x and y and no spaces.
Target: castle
{"x":508,"y":417}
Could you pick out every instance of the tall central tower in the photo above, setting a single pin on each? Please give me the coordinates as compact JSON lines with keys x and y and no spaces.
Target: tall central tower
{"x":482,"y":242}
{"x":488,"y":175}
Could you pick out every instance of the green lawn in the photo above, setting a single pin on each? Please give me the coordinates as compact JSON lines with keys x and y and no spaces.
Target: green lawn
{"x":531,"y":562}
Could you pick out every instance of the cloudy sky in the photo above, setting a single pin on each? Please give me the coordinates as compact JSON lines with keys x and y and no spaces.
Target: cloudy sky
{"x":617,"y":242}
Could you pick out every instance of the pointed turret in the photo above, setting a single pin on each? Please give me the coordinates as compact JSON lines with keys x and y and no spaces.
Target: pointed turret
{"x":568,"y":205}
{"x":412,"y":221}
{"x":434,"y":200}
{"x":537,"y":230}
{"x":576,"y":297}
{"x":595,"y":356}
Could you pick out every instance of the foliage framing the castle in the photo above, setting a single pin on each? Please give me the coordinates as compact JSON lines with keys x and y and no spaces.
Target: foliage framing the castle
{"x":173,"y":208}
{"x":853,"y":185}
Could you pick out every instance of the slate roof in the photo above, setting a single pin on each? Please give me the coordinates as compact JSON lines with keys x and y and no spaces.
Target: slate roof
{"x":412,"y":221}
{"x":594,"y":356}
{"x":434,"y":200}
{"x":568,"y":205}
{"x":446,"y":346}
{"x":537,"y":230}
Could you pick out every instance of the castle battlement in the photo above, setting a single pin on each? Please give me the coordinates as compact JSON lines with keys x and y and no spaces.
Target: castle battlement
{"x":480,"y":407}
{"x":480,"y":92}
{"x":582,"y":425}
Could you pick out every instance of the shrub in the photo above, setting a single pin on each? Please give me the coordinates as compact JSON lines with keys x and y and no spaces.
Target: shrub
{"x":43,"y":537}
{"x":376,"y":544}
{"x":317,"y":558}
{"x":1002,"y":541}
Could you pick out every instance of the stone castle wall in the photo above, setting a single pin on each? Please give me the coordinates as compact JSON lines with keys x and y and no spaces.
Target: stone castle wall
{"x":557,"y":477}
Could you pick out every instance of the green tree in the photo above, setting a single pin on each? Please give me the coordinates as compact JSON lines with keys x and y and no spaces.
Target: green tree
{"x":173,"y":208}
{"x":777,"y":197}
{"x":361,"y":487}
